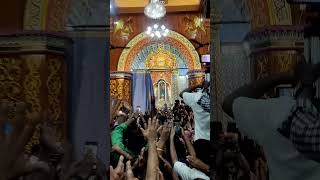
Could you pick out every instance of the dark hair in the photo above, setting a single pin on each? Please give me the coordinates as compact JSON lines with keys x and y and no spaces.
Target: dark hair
{"x":180,"y":149}
{"x":202,"y":148}
{"x":134,"y":139}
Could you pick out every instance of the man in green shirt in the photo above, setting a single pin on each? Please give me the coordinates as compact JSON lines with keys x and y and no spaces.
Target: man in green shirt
{"x":130,"y":148}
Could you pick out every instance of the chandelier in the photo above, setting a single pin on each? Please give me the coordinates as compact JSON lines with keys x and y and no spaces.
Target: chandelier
{"x":157,"y":31}
{"x":155,"y":10}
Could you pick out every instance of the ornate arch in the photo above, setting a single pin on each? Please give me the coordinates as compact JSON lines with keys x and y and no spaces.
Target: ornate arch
{"x":140,"y":58}
{"x":175,"y":39}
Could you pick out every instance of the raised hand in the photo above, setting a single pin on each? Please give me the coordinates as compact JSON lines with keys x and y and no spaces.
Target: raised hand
{"x":49,"y":139}
{"x":115,"y":105}
{"x":129,"y":172}
{"x":141,"y":161}
{"x":160,"y":175}
{"x":167,"y":165}
{"x":13,"y":162}
{"x":118,"y":172}
{"x":197,"y":163}
{"x":173,"y":132}
{"x":150,"y":129}
{"x":165,"y":132}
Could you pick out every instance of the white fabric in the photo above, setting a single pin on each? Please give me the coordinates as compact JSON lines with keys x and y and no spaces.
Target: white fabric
{"x":186,"y":173}
{"x":201,"y":117}
{"x":261,"y":119}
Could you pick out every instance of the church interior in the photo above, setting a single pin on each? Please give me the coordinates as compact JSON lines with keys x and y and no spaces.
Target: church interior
{"x":171,"y":52}
{"x":62,"y":63}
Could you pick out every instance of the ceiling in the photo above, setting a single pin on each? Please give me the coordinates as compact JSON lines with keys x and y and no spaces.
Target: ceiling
{"x":137,"y":6}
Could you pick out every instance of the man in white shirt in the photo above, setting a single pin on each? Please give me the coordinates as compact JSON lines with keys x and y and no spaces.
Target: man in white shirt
{"x":191,"y":98}
{"x":261,"y":119}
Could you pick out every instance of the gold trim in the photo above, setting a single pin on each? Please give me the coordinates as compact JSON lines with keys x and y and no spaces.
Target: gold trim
{"x":172,"y":34}
{"x":161,"y":59}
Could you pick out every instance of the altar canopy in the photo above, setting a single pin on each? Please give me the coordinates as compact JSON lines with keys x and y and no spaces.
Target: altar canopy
{"x":142,"y":91}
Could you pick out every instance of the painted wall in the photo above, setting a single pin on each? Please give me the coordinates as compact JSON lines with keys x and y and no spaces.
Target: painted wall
{"x":136,"y":24}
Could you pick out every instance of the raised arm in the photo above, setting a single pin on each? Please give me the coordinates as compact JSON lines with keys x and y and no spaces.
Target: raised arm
{"x":150,"y":133}
{"x":190,"y":147}
{"x":173,"y":152}
{"x":256,"y":89}
{"x":190,"y":89}
{"x":164,"y":135}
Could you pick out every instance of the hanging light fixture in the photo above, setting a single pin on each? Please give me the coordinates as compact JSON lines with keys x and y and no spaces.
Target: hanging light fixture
{"x":157,"y":31}
{"x":155,"y":9}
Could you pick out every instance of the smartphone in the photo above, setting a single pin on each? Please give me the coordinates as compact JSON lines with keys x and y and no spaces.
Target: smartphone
{"x":91,"y":147}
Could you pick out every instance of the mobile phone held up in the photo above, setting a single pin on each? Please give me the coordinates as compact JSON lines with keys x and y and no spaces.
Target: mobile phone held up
{"x":178,"y":129}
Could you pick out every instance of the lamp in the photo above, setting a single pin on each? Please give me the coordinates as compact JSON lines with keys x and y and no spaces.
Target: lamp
{"x":155,"y":10}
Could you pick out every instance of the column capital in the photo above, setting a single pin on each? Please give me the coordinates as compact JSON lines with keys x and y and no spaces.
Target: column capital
{"x":34,"y":42}
{"x":276,"y":38}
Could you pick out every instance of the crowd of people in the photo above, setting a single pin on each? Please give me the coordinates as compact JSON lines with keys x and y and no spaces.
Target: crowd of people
{"x":168,"y":143}
{"x":51,"y":159}
{"x":281,"y":141}
{"x":287,"y":127}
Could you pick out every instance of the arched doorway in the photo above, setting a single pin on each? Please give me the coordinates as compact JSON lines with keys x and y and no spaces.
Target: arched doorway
{"x":167,"y":60}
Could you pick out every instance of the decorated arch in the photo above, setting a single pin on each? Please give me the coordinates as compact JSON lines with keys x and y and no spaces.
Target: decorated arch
{"x":174,"y":39}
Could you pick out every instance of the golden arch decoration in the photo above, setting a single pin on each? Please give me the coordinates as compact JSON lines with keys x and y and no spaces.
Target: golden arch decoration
{"x":161,"y":59}
{"x":174,"y":38}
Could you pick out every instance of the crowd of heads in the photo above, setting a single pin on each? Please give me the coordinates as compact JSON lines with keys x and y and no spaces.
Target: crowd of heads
{"x":174,"y":125}
{"x":236,"y":156}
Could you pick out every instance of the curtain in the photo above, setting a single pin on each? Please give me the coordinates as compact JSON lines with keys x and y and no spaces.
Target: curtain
{"x":143,"y":95}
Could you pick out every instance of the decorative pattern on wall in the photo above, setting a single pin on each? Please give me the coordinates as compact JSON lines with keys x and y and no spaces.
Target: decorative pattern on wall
{"x":259,"y":13}
{"x":46,"y":15}
{"x":161,"y":59}
{"x":34,"y":14}
{"x":273,"y":62}
{"x":32,"y":84}
{"x":195,"y":25}
{"x":280,"y":12}
{"x":57,"y":15}
{"x":279,"y":37}
{"x":120,"y":86}
{"x":139,"y":61}
{"x":56,"y":93}
{"x":36,"y":77}
{"x":11,"y":78}
{"x":142,"y":40}
{"x":121,"y":28}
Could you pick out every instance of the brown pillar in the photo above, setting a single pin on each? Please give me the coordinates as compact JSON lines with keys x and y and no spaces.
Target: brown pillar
{"x":36,"y":74}
{"x":121,"y":86}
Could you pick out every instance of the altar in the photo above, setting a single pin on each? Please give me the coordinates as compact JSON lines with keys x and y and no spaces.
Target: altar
{"x":162,"y":66}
